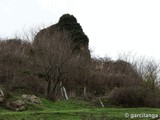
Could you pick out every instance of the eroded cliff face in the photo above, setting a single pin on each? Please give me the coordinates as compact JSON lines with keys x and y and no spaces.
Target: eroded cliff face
{"x":67,"y":23}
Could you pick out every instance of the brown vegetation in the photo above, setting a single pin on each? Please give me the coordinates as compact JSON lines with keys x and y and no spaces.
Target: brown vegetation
{"x":52,"y":67}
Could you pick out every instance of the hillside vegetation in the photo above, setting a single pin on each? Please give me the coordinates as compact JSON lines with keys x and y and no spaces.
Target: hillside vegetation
{"x":57,"y":66}
{"x":74,"y":110}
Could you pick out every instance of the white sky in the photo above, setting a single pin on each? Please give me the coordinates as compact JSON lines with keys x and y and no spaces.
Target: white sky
{"x":113,"y":26}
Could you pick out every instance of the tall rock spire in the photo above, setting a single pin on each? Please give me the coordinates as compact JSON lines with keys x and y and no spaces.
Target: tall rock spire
{"x":69,"y":23}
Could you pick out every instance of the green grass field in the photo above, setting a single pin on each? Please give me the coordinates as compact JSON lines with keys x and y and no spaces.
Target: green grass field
{"x":73,"y":110}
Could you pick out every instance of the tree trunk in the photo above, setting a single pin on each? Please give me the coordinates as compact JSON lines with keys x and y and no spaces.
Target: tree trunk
{"x":85,"y":92}
{"x":61,"y":89}
{"x":48,"y":87}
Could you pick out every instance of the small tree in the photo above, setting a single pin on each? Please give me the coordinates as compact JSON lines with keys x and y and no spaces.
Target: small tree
{"x":12,"y":60}
{"x":151,"y":74}
{"x":54,"y":56}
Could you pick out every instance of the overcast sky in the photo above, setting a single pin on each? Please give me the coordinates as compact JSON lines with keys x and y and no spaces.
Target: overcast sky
{"x":113,"y":26}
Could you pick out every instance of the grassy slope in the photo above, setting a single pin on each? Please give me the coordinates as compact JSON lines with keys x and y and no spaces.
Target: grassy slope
{"x":71,"y":110}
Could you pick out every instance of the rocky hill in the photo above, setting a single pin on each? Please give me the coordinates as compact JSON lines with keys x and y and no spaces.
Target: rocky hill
{"x":68,"y":23}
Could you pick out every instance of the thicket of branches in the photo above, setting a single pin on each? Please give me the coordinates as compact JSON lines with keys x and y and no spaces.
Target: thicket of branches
{"x":50,"y":66}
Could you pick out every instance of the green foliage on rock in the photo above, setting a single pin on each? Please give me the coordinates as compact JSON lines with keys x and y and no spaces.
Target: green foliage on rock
{"x":69,"y":22}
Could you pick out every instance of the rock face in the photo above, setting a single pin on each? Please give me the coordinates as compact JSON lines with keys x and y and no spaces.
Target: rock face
{"x":31,"y":98}
{"x":17,"y":105}
{"x":68,"y":23}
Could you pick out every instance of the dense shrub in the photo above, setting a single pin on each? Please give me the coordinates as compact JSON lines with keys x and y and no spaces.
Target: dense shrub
{"x":122,"y":80}
{"x":153,"y":98}
{"x":128,"y":97}
{"x":135,"y":97}
{"x":59,"y":57}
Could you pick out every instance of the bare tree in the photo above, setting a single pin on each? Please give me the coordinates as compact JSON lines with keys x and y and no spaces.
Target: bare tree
{"x":12,"y":60}
{"x":54,"y":56}
{"x":148,"y":69}
{"x":151,"y":74}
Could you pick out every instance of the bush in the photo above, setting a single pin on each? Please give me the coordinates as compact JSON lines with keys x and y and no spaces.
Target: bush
{"x":128,"y":97}
{"x":122,"y":80}
{"x":153,"y":98}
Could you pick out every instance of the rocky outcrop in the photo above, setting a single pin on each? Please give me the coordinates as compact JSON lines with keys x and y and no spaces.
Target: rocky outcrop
{"x":13,"y":102}
{"x":67,"y":23}
{"x":31,"y":98}
{"x":17,"y":105}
